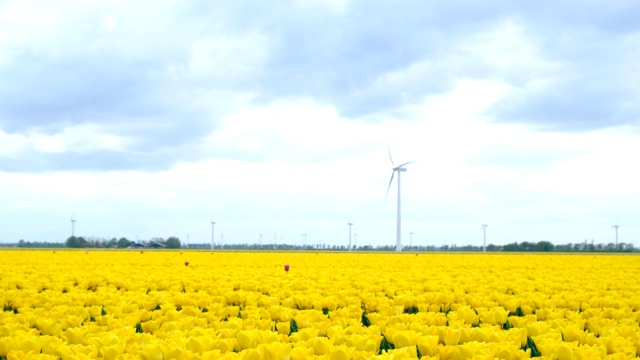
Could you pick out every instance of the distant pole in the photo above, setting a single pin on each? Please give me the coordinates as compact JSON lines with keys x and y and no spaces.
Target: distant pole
{"x":274,"y":241}
{"x":260,"y":241}
{"x":616,"y":226}
{"x":221,"y":241}
{"x":410,"y":240}
{"x":73,"y":226}
{"x":484,"y":237}
{"x":213,"y":223}
{"x":350,"y":224}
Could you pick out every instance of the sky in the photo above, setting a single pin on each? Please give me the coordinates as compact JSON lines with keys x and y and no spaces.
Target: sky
{"x":153,"y":118}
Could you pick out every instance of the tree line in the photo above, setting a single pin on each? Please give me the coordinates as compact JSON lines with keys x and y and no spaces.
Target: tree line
{"x":80,"y":242}
{"x":175,"y":243}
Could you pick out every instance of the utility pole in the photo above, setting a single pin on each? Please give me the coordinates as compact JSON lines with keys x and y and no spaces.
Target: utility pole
{"x":350,"y":224}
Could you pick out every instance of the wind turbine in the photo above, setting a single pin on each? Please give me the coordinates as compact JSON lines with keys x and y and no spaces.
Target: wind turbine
{"x":616,"y":226}
{"x":73,"y":226}
{"x":484,"y":237}
{"x":213,"y":223}
{"x":350,"y":224}
{"x":399,"y":169}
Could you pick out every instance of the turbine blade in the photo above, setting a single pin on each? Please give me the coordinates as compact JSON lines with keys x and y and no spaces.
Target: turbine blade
{"x":407,"y":163}
{"x":390,"y":158}
{"x":389,"y":187}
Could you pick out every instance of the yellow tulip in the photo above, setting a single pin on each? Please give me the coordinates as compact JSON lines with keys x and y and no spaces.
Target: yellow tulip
{"x":451,"y":336}
{"x":224,"y":345}
{"x":28,"y":344}
{"x":356,"y":341}
{"x":301,"y":353}
{"x":341,"y":353}
{"x":404,"y":353}
{"x":6,"y":344}
{"x":76,"y":335}
{"x":428,"y":345}
{"x":276,"y":351}
{"x":283,"y":327}
{"x":250,"y":354}
{"x":151,"y":352}
{"x":247,"y":339}
{"x":405,"y":338}
{"x":197,"y":345}
{"x":307,"y":333}
{"x":111,"y":352}
{"x":565,"y":352}
{"x":265,"y":337}
{"x":320,"y":345}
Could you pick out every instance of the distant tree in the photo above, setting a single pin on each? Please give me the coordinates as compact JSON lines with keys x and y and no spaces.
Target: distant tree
{"x":172,"y":243}
{"x":525,"y":246}
{"x":511,"y":247}
{"x":76,"y":242}
{"x":123,"y":242}
{"x":544,"y":246}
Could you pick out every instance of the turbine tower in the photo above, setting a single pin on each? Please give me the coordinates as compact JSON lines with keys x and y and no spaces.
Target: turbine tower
{"x":399,"y":169}
{"x":213,"y":223}
{"x":350,"y":223}
{"x":484,"y":237}
{"x":73,"y":226}
{"x":616,"y":226}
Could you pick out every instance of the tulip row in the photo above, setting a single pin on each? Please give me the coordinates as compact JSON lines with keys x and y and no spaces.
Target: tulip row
{"x":199,"y":305}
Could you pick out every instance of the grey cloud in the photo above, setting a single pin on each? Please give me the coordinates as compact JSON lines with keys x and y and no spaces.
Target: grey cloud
{"x":572,"y":106}
{"x":137,"y":81}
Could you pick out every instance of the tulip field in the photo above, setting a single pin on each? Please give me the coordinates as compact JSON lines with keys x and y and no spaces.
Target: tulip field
{"x":305,"y":305}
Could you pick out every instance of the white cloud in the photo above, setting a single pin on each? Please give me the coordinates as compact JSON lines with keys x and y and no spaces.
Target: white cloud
{"x":79,"y":138}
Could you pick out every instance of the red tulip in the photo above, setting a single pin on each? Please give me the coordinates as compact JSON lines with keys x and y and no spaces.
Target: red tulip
{"x":286,"y":267}
{"x":186,"y":263}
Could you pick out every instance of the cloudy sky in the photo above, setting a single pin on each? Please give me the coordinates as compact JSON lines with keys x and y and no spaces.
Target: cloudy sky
{"x":149,"y":119}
